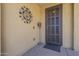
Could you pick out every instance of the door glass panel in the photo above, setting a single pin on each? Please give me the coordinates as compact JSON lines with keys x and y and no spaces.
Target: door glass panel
{"x":53,"y":12}
{"x":51,"y":38}
{"x":53,"y":21}
{"x":49,"y":30}
{"x":57,"y":31}
{"x":57,"y":11}
{"x":57,"y":20}
{"x":49,"y":21}
{"x":53,"y":30}
{"x":57,"y":28}
{"x":57,"y":38}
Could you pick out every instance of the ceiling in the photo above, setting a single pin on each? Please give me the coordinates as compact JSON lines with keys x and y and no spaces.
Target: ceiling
{"x":46,"y":4}
{"x":43,"y":4}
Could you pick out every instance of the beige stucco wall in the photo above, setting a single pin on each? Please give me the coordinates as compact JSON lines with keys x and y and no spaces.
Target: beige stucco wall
{"x":66,"y":23}
{"x":76,"y":27}
{"x":17,"y":36}
{"x":0,"y":29}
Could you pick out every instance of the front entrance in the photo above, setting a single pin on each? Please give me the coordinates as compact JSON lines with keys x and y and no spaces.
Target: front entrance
{"x":54,"y":26}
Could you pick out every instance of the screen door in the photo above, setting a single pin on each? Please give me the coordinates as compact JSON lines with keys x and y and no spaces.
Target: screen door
{"x":53,"y":16}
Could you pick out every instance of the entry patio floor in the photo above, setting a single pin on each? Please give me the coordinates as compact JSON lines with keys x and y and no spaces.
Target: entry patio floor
{"x":39,"y":50}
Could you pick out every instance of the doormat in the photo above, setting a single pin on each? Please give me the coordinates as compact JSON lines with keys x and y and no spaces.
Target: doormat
{"x":53,"y":47}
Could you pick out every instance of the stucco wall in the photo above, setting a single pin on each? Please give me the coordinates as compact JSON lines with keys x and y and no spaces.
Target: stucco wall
{"x":76,"y":27}
{"x":17,"y":36}
{"x":66,"y":23}
{"x":0,"y":29}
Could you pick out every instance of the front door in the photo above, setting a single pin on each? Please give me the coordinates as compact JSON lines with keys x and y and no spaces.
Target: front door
{"x":54,"y":25}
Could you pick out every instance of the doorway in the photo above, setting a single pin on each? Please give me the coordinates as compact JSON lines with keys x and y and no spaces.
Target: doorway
{"x":53,"y":16}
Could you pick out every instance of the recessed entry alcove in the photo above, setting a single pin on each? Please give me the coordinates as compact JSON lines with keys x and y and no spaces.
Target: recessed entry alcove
{"x":39,"y":29}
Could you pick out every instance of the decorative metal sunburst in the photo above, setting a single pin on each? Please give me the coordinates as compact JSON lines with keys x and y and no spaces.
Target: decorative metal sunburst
{"x":25,"y":14}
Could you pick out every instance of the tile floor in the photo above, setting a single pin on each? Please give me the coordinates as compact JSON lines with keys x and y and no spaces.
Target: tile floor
{"x":39,"y":50}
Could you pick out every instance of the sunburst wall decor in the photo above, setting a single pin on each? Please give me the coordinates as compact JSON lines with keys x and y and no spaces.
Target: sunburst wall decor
{"x":25,"y":14}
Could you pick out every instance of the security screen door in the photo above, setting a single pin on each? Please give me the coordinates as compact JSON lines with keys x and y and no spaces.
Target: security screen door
{"x":54,"y":25}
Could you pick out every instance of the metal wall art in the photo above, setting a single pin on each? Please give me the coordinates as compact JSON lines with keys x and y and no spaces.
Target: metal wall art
{"x":25,"y":14}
